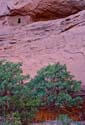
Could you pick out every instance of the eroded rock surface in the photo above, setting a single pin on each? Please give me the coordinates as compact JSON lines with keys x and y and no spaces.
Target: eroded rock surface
{"x":41,"y":9}
{"x":16,"y":12}
{"x":41,"y":43}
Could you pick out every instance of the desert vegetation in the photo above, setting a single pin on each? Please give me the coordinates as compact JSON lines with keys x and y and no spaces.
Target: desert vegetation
{"x":21,"y":97}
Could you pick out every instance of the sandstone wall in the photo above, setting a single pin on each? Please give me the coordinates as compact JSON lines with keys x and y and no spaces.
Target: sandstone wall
{"x":43,"y":42}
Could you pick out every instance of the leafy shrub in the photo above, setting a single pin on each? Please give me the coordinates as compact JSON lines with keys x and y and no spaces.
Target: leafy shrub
{"x":54,"y":85}
{"x":65,"y":119}
{"x":14,"y":94}
{"x":20,"y":99}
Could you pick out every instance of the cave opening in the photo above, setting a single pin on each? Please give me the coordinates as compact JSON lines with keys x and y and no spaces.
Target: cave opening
{"x":19,"y":21}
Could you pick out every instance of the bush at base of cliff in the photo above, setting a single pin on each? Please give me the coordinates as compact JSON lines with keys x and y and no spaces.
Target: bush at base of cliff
{"x":14,"y":94}
{"x":66,"y":120}
{"x":54,"y":85}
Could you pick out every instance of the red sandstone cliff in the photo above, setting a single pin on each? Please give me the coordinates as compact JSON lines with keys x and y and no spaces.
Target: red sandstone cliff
{"x":39,"y":32}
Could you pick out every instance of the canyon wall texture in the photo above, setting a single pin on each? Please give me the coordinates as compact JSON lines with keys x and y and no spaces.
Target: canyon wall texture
{"x":42,"y":32}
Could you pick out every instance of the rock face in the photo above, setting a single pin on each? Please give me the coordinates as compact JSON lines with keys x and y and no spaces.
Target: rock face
{"x":52,"y":9}
{"x":41,"y":9}
{"x":28,"y":11}
{"x":43,"y":42}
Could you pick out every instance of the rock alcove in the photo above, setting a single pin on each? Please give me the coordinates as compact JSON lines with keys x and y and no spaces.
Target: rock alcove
{"x":18,"y":20}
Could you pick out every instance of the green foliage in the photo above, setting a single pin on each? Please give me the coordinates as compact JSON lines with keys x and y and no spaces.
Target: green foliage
{"x":54,"y":85}
{"x":65,"y":119}
{"x":14,"y":94}
{"x":20,"y":99}
{"x":16,"y":118}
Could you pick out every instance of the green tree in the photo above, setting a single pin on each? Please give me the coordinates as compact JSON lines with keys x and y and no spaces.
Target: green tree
{"x":15,"y":96}
{"x":20,"y":99}
{"x":54,"y":85}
